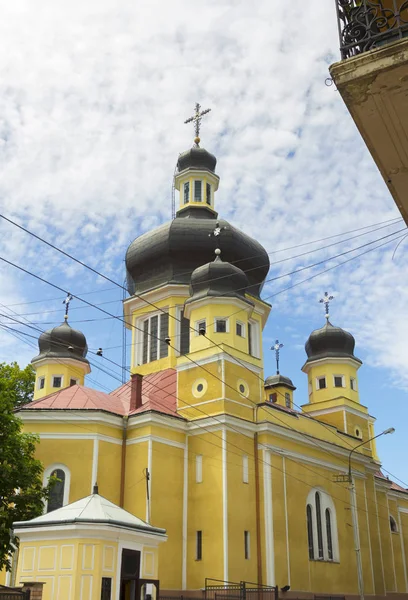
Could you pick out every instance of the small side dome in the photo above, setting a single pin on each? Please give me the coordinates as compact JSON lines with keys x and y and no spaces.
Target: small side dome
{"x":218,"y":278}
{"x":330,"y":342}
{"x":275,"y":380}
{"x":62,"y":342}
{"x":196,"y":158}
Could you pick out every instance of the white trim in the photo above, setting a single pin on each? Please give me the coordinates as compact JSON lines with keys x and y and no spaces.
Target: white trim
{"x":357,"y":542}
{"x":286,"y":518}
{"x":345,"y":421}
{"x":91,"y":568}
{"x":71,"y":567}
{"x":369,"y":537}
{"x":317,"y":383}
{"x":197,"y":326}
{"x":220,"y":398}
{"x":227,"y":324}
{"x":105,"y":569}
{"x":67,"y":483}
{"x":331,"y":360}
{"x":57,"y":376}
{"x":155,"y":438}
{"x":199,"y":468}
{"x":64,"y":585}
{"x":149,"y":483}
{"x":83,"y":578}
{"x":167,"y":421}
{"x":343,"y":382}
{"x":185,"y":366}
{"x":223,"y":382}
{"x":243,"y":328}
{"x":245,"y":469}
{"x":392,"y":545}
{"x":296,"y":456}
{"x":269,"y":541}
{"x":39,"y":380}
{"x":255,"y":351}
{"x":326,"y":503}
{"x":69,"y":416}
{"x":95,"y":458}
{"x":185,"y":514}
{"x":334,"y":409}
{"x":63,"y":361}
{"x":225,"y":501}
{"x":353,"y":386}
{"x":89,"y":531}
{"x":40,"y":549}
{"x":79,"y":436}
{"x":402,"y":550}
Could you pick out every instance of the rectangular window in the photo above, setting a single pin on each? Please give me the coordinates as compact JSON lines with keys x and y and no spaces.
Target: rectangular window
{"x":245,"y":470}
{"x":240,"y":329}
{"x":57,"y":381}
{"x":154,"y":331}
{"x":273,"y":397}
{"x":41,"y":383}
{"x":321,"y":383}
{"x":287,"y":399}
{"x":184,"y":334}
{"x":106,"y":588}
{"x":208,"y":194}
{"x":353,"y":384}
{"x":338,"y":381}
{"x":73,"y":382}
{"x":220,"y":325}
{"x":246,"y":545}
{"x":186,"y":192}
{"x":253,"y":339}
{"x":199,"y":468}
{"x":197,"y":191}
{"x":199,"y":545}
{"x":201,"y":327}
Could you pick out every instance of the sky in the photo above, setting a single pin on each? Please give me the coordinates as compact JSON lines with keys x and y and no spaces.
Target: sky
{"x":93,"y":100}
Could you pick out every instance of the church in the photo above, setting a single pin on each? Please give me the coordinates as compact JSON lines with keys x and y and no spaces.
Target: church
{"x":245,"y":480}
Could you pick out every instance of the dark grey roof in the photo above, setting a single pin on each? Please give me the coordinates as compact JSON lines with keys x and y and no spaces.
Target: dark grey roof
{"x":218,"y":278}
{"x":171,"y":252}
{"x":62,"y":342}
{"x":196,"y":158}
{"x":278,"y":379}
{"x":330,"y":342}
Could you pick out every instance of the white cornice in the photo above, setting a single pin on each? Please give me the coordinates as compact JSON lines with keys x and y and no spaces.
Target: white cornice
{"x":79,"y":436}
{"x":69,"y":416}
{"x":85,"y":530}
{"x":153,"y":418}
{"x":334,"y":409}
{"x":331,"y":360}
{"x":216,"y":357}
{"x":63,"y":361}
{"x":244,"y":304}
{"x":133,"y":303}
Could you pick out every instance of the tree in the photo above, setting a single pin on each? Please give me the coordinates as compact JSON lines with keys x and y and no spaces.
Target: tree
{"x":20,"y":382}
{"x":22,"y":494}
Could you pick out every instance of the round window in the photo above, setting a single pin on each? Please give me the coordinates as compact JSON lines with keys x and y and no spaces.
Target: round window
{"x":200,"y":387}
{"x":242,"y":388}
{"x":358,"y":433}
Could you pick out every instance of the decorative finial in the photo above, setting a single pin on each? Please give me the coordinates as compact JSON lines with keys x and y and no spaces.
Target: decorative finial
{"x":66,"y":302}
{"x":216,"y":233}
{"x":277,"y":347}
{"x":196,"y":119}
{"x":326,"y":301}
{"x":217,"y":253}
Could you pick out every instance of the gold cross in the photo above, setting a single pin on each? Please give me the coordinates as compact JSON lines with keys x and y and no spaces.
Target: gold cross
{"x":196,"y":119}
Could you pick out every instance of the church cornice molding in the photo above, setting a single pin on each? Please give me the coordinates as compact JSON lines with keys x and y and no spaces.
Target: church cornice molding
{"x":135,"y":302}
{"x":79,"y":436}
{"x":216,"y":357}
{"x":331,"y":360}
{"x":69,"y":416}
{"x":155,"y":418}
{"x":334,"y":409}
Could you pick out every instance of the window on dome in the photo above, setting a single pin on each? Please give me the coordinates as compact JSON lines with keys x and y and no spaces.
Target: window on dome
{"x":155,"y":331}
{"x":353,"y":384}
{"x":287,"y":399}
{"x":338,"y":381}
{"x":221,"y":325}
{"x":321,"y":383}
{"x":73,"y":382}
{"x":41,"y":383}
{"x":240,"y":329}
{"x":198,"y":191}
{"x":186,"y":192}
{"x":273,"y":397}
{"x":201,"y":327}
{"x":208,"y":194}
{"x":57,"y":381}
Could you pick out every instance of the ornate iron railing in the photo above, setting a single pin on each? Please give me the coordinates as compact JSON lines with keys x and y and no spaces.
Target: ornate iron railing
{"x":367,"y":24}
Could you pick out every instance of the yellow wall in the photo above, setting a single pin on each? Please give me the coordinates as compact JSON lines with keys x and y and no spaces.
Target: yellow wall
{"x":329,"y":370}
{"x":66,"y":370}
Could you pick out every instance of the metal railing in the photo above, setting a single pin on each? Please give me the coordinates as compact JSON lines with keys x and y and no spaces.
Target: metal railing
{"x":367,"y":24}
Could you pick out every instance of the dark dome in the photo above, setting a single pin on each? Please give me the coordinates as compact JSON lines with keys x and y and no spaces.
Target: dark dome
{"x":170,"y":253}
{"x":196,"y":158}
{"x":218,"y":278}
{"x":274,"y":380}
{"x":62,"y":342}
{"x":330,"y":342}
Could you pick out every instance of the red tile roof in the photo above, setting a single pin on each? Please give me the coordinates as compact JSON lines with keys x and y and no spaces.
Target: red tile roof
{"x":158,"y":394}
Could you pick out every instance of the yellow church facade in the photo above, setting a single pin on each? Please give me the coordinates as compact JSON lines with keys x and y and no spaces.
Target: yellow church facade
{"x":250,"y":482}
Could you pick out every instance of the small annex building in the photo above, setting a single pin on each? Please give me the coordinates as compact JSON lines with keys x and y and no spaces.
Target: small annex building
{"x":90,"y":549}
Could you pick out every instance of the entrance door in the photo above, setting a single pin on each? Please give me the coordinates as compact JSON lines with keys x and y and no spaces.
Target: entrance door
{"x":129,"y":575}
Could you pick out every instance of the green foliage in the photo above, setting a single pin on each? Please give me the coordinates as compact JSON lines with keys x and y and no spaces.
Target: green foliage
{"x":20,"y":382}
{"x":21,"y":491}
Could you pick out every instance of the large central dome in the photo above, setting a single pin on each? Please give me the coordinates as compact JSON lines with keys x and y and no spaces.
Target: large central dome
{"x":170,"y":253}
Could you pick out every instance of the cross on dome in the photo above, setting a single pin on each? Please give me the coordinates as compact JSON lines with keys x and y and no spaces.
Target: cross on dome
{"x":67,"y":302}
{"x":216,"y":234}
{"x":196,"y":119}
{"x":326,"y":301}
{"x":277,"y":347}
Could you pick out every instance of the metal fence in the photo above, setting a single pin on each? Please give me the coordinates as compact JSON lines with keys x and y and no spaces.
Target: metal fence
{"x":244,"y":590}
{"x":7,"y":593}
{"x":367,"y":24}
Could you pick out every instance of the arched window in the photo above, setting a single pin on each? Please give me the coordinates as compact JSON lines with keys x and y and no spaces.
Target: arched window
{"x":329,"y":534}
{"x":310,"y":530}
{"x":59,"y":494}
{"x":321,"y":526}
{"x":393,"y":525}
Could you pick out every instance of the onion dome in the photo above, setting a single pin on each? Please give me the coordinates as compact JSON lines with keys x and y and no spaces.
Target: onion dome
{"x":218,"y":278}
{"x":170,"y":253}
{"x":62,"y":342}
{"x":196,"y":158}
{"x":278,"y":379}
{"x":330,"y":342}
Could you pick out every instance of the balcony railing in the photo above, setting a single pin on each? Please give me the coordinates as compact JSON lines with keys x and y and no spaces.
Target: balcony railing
{"x":367,"y":24}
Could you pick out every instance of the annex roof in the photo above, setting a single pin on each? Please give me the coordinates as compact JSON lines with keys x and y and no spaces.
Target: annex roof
{"x":158,"y":394}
